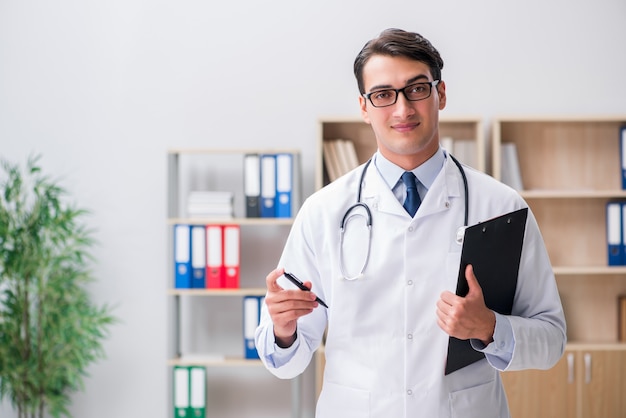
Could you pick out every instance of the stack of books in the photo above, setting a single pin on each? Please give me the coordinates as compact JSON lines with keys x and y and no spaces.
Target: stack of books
{"x":210,"y":204}
{"x":339,"y":157}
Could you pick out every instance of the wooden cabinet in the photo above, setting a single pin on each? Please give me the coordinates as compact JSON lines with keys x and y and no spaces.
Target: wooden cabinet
{"x":205,"y":326}
{"x":586,"y":383}
{"x":570,"y":169}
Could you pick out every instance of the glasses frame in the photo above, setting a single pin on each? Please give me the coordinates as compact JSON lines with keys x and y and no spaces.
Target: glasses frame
{"x":403,"y":90}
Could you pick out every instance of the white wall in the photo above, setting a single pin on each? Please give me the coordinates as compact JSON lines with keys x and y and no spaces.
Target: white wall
{"x":103,"y":88}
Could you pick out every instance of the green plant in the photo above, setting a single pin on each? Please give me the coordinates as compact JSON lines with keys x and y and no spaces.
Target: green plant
{"x":50,"y":331}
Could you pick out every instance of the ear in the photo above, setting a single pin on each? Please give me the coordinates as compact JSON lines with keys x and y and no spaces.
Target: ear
{"x":363,"y":106}
{"x":441,"y":91}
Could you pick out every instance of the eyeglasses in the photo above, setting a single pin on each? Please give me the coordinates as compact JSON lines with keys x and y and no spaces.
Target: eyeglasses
{"x":412,"y":92}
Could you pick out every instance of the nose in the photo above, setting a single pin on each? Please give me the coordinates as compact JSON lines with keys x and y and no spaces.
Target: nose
{"x":403,"y":106}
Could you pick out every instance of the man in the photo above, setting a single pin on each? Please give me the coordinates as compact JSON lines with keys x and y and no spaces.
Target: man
{"x":391,"y":312}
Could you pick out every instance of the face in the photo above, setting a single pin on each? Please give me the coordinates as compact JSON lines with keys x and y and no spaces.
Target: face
{"x":407,"y":132}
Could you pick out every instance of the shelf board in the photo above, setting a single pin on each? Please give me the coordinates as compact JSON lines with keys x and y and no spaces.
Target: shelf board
{"x":589,"y":346}
{"x":231,"y":221}
{"x":588,"y":270}
{"x":214,"y":361}
{"x":573,"y":194}
{"x":218,"y":292}
{"x":242,"y":151}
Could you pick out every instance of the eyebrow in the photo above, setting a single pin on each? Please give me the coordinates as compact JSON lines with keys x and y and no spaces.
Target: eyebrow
{"x":409,"y":82}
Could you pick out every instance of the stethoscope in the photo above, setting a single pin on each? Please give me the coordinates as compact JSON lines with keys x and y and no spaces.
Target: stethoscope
{"x":352,"y":212}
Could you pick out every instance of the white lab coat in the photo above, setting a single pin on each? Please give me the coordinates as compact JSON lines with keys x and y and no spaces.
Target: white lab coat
{"x":385,"y":353}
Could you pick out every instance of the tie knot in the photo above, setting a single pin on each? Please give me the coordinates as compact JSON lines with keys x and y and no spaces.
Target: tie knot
{"x":408,"y":179}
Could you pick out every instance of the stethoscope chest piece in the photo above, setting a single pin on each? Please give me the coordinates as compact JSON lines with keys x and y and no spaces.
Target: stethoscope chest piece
{"x":460,"y":235}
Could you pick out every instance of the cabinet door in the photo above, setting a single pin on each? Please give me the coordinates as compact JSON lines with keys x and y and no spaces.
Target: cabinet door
{"x":543,"y":393}
{"x":603,"y":383}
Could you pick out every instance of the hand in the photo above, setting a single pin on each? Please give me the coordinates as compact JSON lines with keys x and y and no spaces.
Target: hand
{"x":286,"y":306}
{"x":466,"y":317}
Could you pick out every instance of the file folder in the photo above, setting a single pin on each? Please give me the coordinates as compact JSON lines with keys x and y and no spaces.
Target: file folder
{"x":198,"y":256}
{"x":494,"y":249}
{"x":623,"y":155}
{"x":182,"y":257}
{"x":251,"y":317}
{"x":622,"y":253}
{"x":181,"y":392}
{"x":284,"y":185}
{"x":197,"y":393}
{"x":614,"y":233}
{"x":214,"y":263}
{"x":252,"y":185}
{"x":268,"y":185}
{"x":231,"y":256}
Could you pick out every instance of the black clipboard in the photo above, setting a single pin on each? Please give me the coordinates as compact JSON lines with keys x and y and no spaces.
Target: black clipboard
{"x":494,"y":249}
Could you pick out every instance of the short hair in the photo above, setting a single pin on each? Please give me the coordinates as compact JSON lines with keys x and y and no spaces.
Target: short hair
{"x":399,"y":43}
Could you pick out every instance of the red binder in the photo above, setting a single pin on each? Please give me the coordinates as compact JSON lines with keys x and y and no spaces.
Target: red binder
{"x":214,"y":258}
{"x":231,"y":248}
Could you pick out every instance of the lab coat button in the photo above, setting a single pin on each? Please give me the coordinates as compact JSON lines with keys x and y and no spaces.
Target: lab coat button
{"x":410,"y":282}
{"x":410,"y":229}
{"x":410,"y":336}
{"x":409,"y":392}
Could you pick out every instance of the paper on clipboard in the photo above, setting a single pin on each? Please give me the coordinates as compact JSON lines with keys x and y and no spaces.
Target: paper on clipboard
{"x":494,"y":249}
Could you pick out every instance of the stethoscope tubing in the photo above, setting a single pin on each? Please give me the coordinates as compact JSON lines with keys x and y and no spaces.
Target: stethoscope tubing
{"x":363,"y":205}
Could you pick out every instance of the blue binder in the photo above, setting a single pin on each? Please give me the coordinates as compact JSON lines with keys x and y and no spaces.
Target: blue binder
{"x":198,"y":256}
{"x":284,"y":185}
{"x":251,"y":317}
{"x":614,"y":233}
{"x":182,"y":256}
{"x":268,"y":185}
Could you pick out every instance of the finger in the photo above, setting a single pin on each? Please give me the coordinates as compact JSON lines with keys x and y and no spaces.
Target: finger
{"x":472,"y":281}
{"x":271,"y":279}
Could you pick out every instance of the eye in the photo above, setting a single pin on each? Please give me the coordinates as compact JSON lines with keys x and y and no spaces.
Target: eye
{"x":417,"y":88}
{"x":382,"y":94}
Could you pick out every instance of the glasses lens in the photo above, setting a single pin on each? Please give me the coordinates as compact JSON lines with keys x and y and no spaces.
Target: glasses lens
{"x":418,"y":91}
{"x":383,"y":98}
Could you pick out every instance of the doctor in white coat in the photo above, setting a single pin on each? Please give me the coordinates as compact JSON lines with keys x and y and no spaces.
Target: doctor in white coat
{"x":391,"y":313}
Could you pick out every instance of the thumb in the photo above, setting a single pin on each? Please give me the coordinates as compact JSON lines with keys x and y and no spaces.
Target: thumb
{"x":472,"y":281}
{"x":271,"y":280}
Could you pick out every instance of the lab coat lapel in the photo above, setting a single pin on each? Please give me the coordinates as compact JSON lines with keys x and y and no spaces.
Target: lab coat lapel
{"x":378,"y":196}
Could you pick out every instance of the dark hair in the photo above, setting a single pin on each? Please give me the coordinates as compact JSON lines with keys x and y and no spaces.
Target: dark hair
{"x":399,"y":43}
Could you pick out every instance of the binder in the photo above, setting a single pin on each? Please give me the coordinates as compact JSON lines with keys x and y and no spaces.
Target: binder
{"x":214,"y":263}
{"x":623,"y":236}
{"x":182,"y":256}
{"x":268,"y":185}
{"x":231,"y":234}
{"x":198,"y":256}
{"x":197,"y":393}
{"x":614,"y":233}
{"x":252,"y":185}
{"x":494,"y":249}
{"x":284,"y":185}
{"x":181,"y":392}
{"x":623,"y":155}
{"x":251,"y":316}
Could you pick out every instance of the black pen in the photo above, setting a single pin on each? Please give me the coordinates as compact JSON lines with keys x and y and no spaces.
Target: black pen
{"x":293,"y":279}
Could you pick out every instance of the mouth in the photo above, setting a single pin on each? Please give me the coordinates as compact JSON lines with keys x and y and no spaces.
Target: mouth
{"x":405,"y":127}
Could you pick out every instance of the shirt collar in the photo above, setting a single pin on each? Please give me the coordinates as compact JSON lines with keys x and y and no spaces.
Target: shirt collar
{"x":425,"y":173}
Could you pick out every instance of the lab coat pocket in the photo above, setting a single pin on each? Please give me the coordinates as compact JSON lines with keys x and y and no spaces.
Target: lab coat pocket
{"x":338,"y":401}
{"x":475,"y":401}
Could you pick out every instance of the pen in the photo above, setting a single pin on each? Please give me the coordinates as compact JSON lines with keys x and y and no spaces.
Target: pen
{"x":293,"y":279}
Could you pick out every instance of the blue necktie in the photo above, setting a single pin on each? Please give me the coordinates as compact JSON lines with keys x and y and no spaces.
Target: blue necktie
{"x":412,"y":201}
